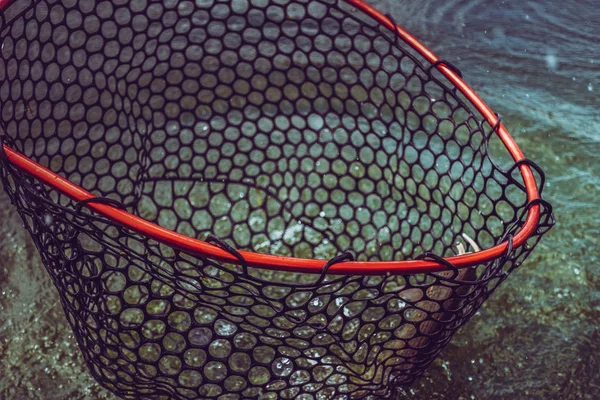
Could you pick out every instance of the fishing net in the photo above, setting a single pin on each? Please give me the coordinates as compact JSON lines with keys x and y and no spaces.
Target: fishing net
{"x":304,"y":173}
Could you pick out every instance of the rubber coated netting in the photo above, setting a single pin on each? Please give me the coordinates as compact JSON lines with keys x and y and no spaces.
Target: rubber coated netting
{"x":297,"y":128}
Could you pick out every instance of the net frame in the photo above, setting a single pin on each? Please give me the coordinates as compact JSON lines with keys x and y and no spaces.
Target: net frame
{"x":536,"y":221}
{"x":291,"y":264}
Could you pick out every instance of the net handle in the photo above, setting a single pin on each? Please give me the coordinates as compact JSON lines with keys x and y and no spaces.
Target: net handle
{"x":203,"y":249}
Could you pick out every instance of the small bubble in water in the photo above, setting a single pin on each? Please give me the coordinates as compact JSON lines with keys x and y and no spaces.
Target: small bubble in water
{"x":590,"y":87}
{"x":551,"y":62}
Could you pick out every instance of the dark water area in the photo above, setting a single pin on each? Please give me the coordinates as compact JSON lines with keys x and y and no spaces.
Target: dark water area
{"x":537,"y":63}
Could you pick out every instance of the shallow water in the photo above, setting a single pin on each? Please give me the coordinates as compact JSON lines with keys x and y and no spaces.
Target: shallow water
{"x":538,"y":337}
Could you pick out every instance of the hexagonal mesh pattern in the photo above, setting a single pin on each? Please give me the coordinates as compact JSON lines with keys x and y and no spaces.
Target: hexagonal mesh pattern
{"x":293,"y":128}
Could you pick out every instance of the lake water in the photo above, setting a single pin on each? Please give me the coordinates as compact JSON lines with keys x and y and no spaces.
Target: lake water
{"x":534,"y":62}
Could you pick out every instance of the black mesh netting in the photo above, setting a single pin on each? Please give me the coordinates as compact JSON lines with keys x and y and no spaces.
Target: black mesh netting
{"x":297,"y":128}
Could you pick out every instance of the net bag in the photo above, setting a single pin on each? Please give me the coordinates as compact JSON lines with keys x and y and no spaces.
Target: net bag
{"x":256,"y":199}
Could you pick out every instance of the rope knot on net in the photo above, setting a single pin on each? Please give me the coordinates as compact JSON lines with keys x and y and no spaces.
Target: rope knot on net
{"x":253,"y":199}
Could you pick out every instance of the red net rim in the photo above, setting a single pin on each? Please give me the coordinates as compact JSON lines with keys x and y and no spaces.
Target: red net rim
{"x":292,"y":264}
